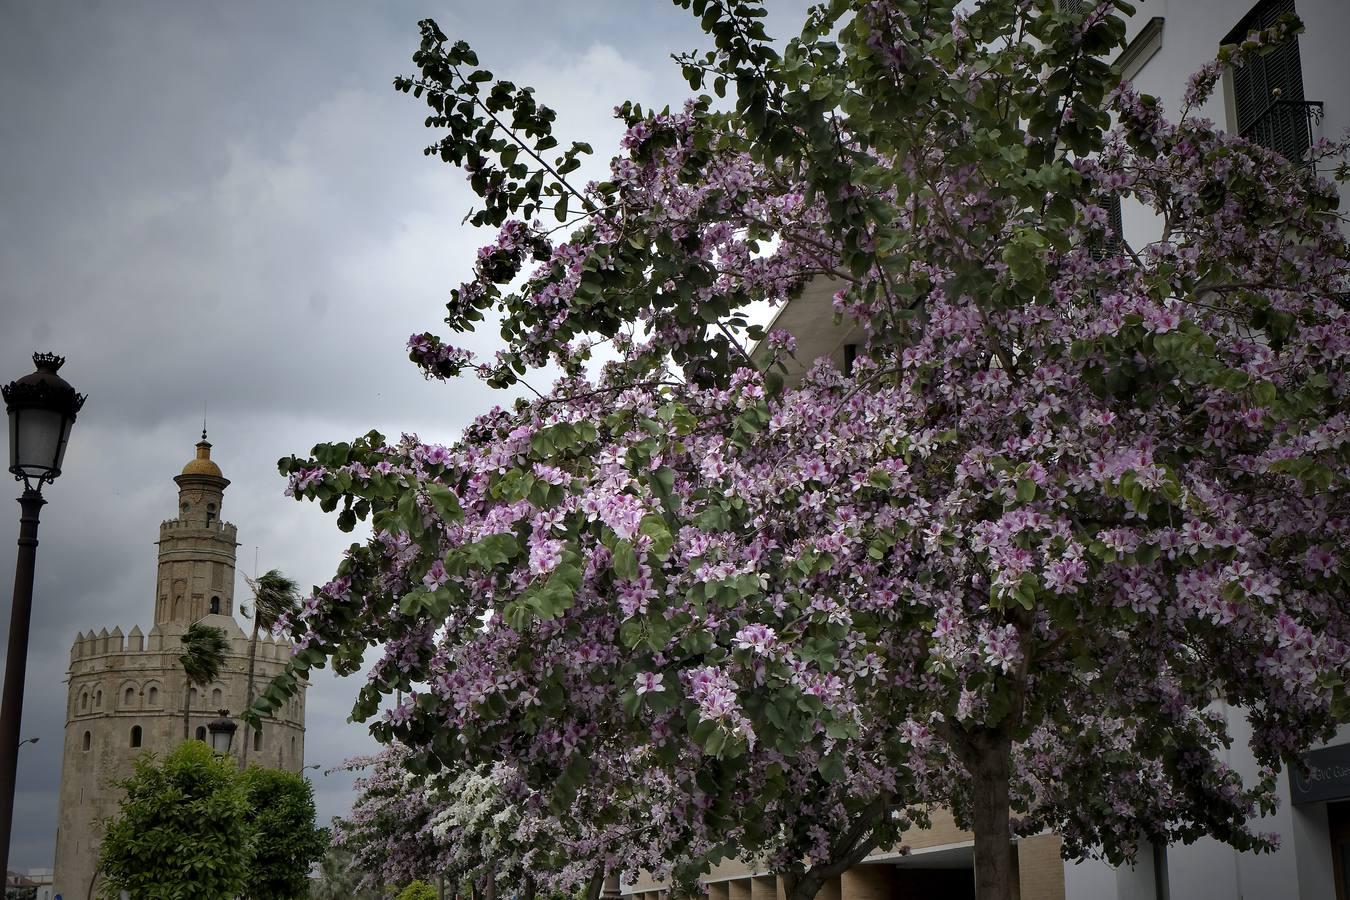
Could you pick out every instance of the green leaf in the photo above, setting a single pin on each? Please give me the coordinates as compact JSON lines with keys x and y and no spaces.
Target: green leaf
{"x":625,"y":561}
{"x":444,"y":501}
{"x":1026,"y":490}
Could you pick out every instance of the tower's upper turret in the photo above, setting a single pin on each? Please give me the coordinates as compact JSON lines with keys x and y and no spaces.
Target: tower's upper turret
{"x":201,"y":464}
{"x":197,"y":548}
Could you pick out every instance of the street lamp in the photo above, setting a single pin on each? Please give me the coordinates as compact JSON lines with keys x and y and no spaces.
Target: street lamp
{"x":42,"y":409}
{"x":29,"y":741}
{"x":221,"y":731}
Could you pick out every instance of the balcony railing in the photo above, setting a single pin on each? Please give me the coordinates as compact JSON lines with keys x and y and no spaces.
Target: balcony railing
{"x":1288,"y":127}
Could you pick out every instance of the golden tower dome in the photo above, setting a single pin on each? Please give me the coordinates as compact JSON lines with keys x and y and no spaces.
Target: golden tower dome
{"x":202,"y":464}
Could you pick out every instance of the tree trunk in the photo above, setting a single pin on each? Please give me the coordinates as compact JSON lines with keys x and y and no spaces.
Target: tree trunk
{"x":802,"y":886}
{"x":990,"y":766}
{"x":528,"y":893}
{"x":595,"y":886}
{"x":248,"y":704}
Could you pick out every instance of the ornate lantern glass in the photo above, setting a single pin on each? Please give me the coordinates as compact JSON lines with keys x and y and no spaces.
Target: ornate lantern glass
{"x":42,"y":408}
{"x":222,"y":732}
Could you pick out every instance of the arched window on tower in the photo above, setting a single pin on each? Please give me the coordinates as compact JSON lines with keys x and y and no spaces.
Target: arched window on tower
{"x":129,"y":696}
{"x":88,"y":739}
{"x":257,"y":739}
{"x":215,"y":606}
{"x":216,"y":698}
{"x":210,"y":513}
{"x":84,"y":702}
{"x":135,"y":735}
{"x":201,"y":732}
{"x":98,"y":699}
{"x":152,"y":696}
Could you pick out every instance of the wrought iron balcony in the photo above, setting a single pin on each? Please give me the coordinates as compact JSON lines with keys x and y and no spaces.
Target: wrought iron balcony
{"x":1288,"y":127}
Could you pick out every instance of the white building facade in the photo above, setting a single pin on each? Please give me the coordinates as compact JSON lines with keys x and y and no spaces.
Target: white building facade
{"x":1285,"y":100}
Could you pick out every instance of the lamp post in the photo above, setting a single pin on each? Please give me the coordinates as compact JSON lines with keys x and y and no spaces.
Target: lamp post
{"x":42,"y":409}
{"x":221,"y":732}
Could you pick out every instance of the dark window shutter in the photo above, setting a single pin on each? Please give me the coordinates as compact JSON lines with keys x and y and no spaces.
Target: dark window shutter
{"x":1268,"y":90}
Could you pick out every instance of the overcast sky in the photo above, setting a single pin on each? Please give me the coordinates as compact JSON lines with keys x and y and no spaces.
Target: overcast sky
{"x":227,"y":204}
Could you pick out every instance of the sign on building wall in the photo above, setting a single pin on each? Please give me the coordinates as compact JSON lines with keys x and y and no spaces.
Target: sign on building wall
{"x":1328,"y":776}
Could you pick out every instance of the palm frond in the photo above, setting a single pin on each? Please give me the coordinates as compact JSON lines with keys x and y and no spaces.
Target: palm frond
{"x":204,"y":648}
{"x":274,"y":595}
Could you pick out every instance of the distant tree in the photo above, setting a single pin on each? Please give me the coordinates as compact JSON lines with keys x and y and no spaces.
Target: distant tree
{"x":181,"y":831}
{"x":202,"y":659}
{"x":339,"y":879}
{"x":275,"y":596}
{"x":286,"y":841}
{"x":17,"y":892}
{"x":418,"y":890}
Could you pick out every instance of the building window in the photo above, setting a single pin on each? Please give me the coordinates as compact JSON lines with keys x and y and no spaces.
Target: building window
{"x":215,"y":606}
{"x":98,"y":699}
{"x":216,"y":698}
{"x":1268,"y":101}
{"x":84,"y":702}
{"x":88,"y":739}
{"x":135,"y":735}
{"x":1110,"y":244}
{"x":152,"y":696}
{"x":201,"y":732}
{"x":129,"y":696}
{"x":210,"y":513}
{"x":257,"y":739}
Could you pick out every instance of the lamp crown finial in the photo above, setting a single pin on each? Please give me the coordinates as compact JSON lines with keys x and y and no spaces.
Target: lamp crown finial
{"x":48,"y":362}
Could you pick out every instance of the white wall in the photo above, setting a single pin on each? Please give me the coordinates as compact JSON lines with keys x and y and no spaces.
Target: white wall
{"x":1191,"y":34}
{"x":1193,"y":29}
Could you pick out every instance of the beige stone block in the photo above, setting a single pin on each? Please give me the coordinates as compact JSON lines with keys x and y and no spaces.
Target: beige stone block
{"x":764,"y":887}
{"x":943,"y":831}
{"x":1040,"y":869}
{"x":866,"y":882}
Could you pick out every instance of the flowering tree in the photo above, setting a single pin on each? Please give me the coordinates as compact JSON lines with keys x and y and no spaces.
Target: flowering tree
{"x":474,"y":824}
{"x":1072,"y":491}
{"x":386,"y":833}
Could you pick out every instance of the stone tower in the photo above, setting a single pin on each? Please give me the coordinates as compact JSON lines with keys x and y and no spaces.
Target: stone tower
{"x":126,"y":691}
{"x":196,"y":550}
